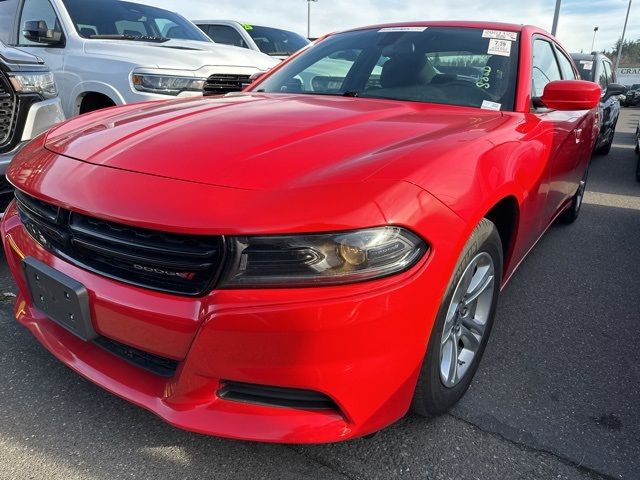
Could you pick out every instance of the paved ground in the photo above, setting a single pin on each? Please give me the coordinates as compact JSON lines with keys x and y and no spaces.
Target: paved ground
{"x":557,"y":394}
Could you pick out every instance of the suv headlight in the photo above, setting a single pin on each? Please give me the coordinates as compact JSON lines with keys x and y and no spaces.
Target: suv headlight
{"x":166,"y":84}
{"x":321,"y":259}
{"x":41,"y":83}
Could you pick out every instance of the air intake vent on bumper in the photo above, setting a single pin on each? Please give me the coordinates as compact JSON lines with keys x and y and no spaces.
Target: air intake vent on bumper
{"x":275,"y":396}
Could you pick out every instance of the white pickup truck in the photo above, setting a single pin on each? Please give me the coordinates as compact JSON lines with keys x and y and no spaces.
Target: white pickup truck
{"x":111,"y":52}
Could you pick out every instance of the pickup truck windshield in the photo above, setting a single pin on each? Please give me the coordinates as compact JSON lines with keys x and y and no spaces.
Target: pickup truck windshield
{"x":118,"y":20}
{"x":274,"y":41}
{"x":447,"y":65}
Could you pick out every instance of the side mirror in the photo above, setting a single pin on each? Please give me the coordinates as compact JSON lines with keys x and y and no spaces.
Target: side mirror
{"x":571,"y":95}
{"x":253,"y":79}
{"x":615,"y":89}
{"x":37,"y":31}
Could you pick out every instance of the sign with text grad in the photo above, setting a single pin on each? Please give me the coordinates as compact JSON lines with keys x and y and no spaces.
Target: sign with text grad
{"x":629,"y":75}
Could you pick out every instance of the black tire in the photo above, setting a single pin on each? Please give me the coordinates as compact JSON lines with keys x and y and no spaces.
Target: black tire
{"x":572,"y":213}
{"x":638,"y":170}
{"x":606,"y":148}
{"x":431,"y":396}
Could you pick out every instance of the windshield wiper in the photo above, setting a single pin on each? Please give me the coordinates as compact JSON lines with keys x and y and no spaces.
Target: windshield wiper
{"x":279,"y":54}
{"x":139,"y":38}
{"x":351,"y":93}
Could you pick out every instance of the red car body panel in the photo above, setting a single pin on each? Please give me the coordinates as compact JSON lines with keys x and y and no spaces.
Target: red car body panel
{"x":309,"y":165}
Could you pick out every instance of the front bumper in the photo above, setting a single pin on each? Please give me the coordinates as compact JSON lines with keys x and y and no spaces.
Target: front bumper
{"x":360,"y":345}
{"x":33,"y":119}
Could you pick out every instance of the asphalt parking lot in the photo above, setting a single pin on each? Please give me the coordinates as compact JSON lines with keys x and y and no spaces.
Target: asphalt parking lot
{"x":557,"y":394}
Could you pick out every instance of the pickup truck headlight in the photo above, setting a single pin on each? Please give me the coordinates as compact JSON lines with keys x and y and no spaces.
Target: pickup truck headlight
{"x":321,"y":259}
{"x":166,"y":84}
{"x":41,"y":83}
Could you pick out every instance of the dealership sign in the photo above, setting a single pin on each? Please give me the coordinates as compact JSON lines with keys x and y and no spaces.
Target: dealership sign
{"x":629,"y":75}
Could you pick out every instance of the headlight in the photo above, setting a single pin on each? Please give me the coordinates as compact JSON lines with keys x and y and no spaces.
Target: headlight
{"x":321,"y":259}
{"x":40,"y":83}
{"x":166,"y":84}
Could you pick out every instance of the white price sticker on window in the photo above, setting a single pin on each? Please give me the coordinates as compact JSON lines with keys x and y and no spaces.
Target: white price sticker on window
{"x":487,"y":105}
{"x":499,"y":47}
{"x":500,"y":35}
{"x":402,"y":29}
{"x":587,"y":64}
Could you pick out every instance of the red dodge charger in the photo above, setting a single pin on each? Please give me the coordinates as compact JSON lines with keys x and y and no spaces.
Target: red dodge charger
{"x":306,"y":260}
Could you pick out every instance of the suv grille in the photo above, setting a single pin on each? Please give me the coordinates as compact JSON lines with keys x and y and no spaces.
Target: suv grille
{"x":218,"y":84}
{"x":168,"y":262}
{"x":7,"y":110}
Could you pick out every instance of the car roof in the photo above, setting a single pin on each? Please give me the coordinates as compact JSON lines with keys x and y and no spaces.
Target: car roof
{"x":511,"y":27}
{"x":589,"y":56}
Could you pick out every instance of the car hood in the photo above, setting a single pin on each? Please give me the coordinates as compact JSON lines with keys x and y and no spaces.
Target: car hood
{"x":261,"y":142}
{"x":186,"y":55}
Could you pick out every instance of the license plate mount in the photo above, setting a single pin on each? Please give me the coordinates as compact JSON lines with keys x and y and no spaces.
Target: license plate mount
{"x":60,"y":297}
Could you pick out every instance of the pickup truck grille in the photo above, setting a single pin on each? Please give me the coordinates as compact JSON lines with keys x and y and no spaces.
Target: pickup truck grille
{"x":7,"y":110}
{"x":168,"y":262}
{"x":219,"y":84}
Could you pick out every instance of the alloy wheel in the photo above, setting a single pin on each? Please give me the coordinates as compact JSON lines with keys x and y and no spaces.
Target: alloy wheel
{"x":467,"y":318}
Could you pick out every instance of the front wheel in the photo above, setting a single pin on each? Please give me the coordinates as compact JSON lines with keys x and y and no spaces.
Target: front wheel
{"x":463,"y":324}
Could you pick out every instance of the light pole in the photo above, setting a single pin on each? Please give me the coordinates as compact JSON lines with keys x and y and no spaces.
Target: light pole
{"x":593,"y":43}
{"x":309,"y":17}
{"x":624,"y":32}
{"x":556,"y":16}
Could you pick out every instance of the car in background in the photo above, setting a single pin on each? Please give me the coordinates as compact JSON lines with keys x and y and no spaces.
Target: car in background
{"x":596,"y":67}
{"x":632,"y":96}
{"x":271,"y":41}
{"x":29,"y":105}
{"x":110,"y":52}
{"x":318,"y":262}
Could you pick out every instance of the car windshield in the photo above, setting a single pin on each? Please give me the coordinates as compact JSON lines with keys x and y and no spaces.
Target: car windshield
{"x":129,"y":21}
{"x":274,"y":41}
{"x":455,"y":66}
{"x":585,"y":68}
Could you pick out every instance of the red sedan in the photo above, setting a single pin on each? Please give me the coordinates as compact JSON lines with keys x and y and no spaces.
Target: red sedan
{"x":306,"y":260}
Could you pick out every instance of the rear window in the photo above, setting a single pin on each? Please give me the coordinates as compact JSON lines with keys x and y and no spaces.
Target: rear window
{"x":586,"y":69}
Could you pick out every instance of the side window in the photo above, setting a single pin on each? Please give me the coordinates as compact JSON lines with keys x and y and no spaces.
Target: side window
{"x":609,"y":73}
{"x":226,"y":35}
{"x":566,"y":67}
{"x":545,"y":67}
{"x":38,"y":10}
{"x":602,"y":77}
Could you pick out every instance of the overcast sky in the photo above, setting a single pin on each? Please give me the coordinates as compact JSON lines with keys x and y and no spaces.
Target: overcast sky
{"x":577,"y":19}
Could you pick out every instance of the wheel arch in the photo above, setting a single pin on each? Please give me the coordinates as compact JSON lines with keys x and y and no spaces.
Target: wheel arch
{"x":84,"y":89}
{"x":505,"y":215}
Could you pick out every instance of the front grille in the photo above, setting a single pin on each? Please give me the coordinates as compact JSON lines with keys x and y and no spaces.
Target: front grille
{"x":167,"y":262}
{"x":7,"y":110}
{"x":155,"y":364}
{"x":220,"y":83}
{"x":275,"y":396}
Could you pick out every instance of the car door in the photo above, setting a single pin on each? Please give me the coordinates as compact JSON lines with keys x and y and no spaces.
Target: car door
{"x":611,"y":105}
{"x":562,"y":133}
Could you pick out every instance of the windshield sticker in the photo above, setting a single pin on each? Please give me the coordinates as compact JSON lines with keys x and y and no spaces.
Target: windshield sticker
{"x":487,"y":105}
{"x":483,"y":81}
{"x":500,"y":35}
{"x":246,"y":26}
{"x":587,"y":64}
{"x":499,"y":47}
{"x":402,"y":29}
